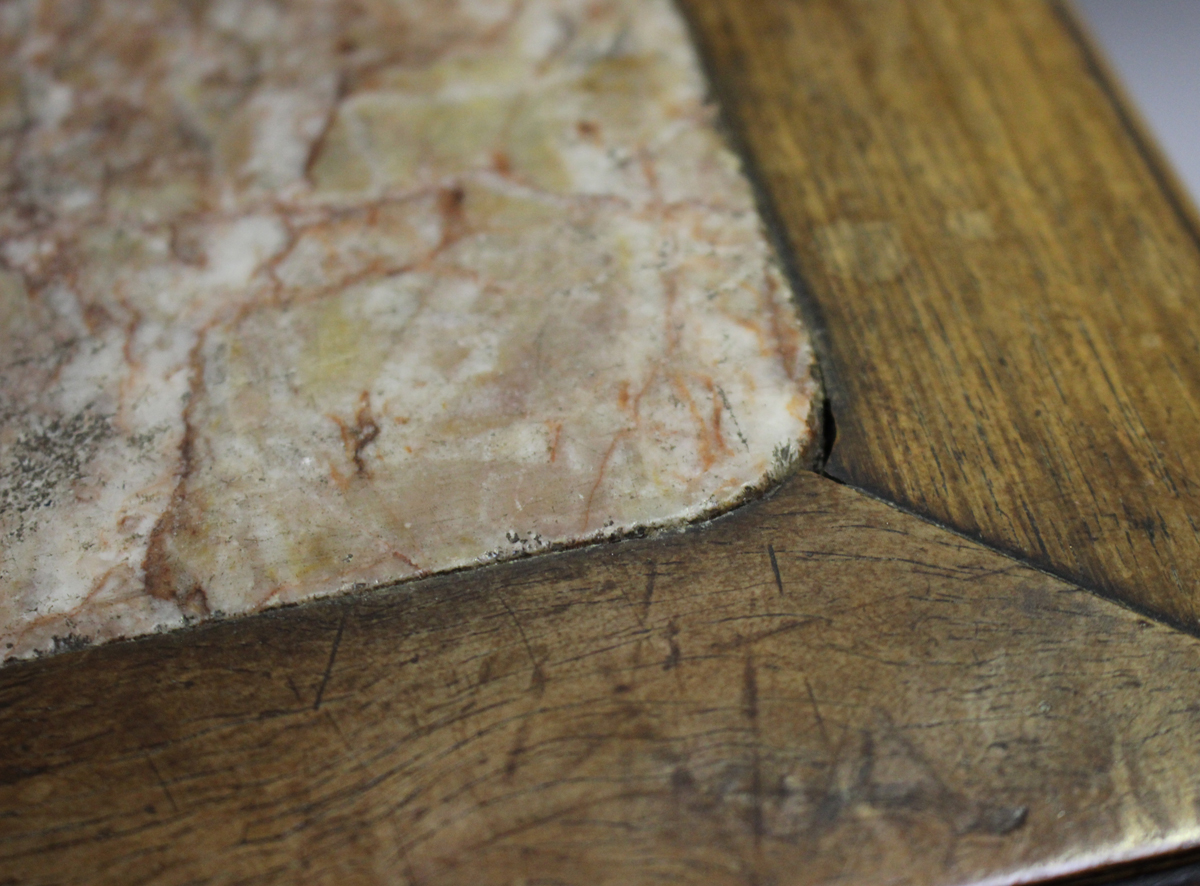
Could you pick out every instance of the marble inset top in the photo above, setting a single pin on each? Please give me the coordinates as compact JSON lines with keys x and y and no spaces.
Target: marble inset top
{"x":298,"y":298}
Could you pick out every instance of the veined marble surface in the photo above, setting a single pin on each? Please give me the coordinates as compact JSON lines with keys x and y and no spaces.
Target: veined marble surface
{"x":308,"y":296}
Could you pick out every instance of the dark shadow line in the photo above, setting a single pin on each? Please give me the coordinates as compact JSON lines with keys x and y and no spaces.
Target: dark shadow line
{"x":830,"y":389}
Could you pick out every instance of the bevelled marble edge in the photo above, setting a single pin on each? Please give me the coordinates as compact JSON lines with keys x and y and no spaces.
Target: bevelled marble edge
{"x":785,"y":467}
{"x":427,"y":287}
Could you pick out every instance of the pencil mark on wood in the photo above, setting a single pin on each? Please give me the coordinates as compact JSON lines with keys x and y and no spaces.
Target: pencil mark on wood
{"x":333,"y":651}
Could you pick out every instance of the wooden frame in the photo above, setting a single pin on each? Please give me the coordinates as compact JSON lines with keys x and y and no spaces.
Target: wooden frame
{"x":820,"y":686}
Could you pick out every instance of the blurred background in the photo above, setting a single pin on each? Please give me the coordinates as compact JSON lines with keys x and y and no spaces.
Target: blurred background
{"x":1154,"y":45}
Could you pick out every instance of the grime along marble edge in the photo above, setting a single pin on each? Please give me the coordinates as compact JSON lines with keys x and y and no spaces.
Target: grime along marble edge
{"x":300,"y":297}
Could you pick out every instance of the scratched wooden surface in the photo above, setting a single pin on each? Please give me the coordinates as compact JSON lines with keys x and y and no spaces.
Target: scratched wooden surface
{"x":1010,"y":290}
{"x":817,"y":689}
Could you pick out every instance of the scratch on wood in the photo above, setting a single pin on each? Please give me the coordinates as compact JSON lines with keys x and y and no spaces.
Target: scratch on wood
{"x":675,"y":654}
{"x":750,"y":700}
{"x":162,"y":783}
{"x":333,"y":651}
{"x":775,"y":568}
{"x":817,"y":712}
{"x":537,"y":679}
{"x":739,"y":641}
{"x":518,"y":749}
{"x":470,"y":770}
{"x":648,"y":597}
{"x":750,"y":690}
{"x":1056,"y":503}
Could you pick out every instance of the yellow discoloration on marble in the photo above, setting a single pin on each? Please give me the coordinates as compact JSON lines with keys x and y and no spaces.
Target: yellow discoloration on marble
{"x":341,"y":348}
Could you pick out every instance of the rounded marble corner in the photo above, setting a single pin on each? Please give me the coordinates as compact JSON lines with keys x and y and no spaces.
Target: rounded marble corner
{"x":426,"y":296}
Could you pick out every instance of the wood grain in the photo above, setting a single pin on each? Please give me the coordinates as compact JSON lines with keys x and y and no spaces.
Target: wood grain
{"x":816,"y":689}
{"x":1009,"y":290}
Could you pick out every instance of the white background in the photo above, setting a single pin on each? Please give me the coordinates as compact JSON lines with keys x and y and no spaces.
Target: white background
{"x":1154,"y":45}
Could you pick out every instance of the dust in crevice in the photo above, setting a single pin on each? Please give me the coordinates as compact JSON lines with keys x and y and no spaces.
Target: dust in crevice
{"x":826,"y":433}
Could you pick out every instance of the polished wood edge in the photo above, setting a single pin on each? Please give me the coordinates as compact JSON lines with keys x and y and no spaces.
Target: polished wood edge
{"x":1174,"y":869}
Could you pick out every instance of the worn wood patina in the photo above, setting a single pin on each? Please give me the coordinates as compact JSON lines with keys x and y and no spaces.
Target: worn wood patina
{"x":1009,"y":285}
{"x":816,"y":689}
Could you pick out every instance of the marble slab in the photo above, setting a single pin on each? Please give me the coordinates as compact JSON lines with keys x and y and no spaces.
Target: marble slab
{"x":305,"y":297}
